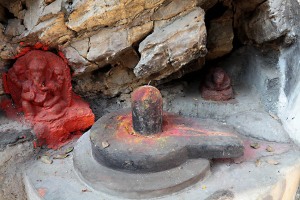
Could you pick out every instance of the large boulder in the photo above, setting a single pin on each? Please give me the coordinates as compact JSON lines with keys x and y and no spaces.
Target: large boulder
{"x":273,"y":19}
{"x":173,"y":45}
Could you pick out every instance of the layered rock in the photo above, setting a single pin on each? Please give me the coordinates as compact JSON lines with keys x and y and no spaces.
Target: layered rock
{"x":220,"y":43}
{"x":100,"y":38}
{"x":173,"y":45}
{"x":140,"y":40}
{"x":271,"y":20}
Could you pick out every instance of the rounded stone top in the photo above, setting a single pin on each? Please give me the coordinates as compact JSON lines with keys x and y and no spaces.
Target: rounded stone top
{"x":147,"y":110}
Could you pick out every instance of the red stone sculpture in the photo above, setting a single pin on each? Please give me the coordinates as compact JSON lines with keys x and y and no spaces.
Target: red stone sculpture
{"x":40,"y":85}
{"x":216,"y":86}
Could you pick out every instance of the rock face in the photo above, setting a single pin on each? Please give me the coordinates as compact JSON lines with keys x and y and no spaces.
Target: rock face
{"x":115,"y":46}
{"x":173,"y":45}
{"x":220,"y":42}
{"x":273,"y":19}
{"x":106,"y":42}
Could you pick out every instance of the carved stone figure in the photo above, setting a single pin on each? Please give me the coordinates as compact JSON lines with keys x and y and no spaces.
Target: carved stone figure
{"x":216,"y":86}
{"x":40,"y":85}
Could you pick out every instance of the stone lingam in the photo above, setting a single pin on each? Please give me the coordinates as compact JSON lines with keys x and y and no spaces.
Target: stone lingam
{"x":40,"y":86}
{"x":148,"y":153}
{"x":216,"y":85}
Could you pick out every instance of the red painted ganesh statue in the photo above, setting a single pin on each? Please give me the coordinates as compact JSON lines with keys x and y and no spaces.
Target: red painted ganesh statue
{"x":40,"y":86}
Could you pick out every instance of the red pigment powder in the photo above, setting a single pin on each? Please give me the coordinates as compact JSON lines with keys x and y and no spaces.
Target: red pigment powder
{"x":40,"y":86}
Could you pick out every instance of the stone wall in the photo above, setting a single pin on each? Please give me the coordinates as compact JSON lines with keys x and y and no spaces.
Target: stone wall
{"x":115,"y":46}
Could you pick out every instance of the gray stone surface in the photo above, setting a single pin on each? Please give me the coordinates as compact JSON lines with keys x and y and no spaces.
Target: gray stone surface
{"x":172,"y":8}
{"x":12,"y":160}
{"x":135,"y":184}
{"x":273,"y":19}
{"x":260,"y":125}
{"x":190,"y":103}
{"x":173,"y":45}
{"x":256,"y":177}
{"x":258,"y":70}
{"x":12,"y":132}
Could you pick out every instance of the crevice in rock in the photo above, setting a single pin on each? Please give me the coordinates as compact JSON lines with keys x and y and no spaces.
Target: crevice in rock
{"x":103,"y":70}
{"x":215,"y":12}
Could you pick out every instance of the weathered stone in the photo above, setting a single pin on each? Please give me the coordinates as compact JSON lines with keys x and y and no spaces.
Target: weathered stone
{"x":147,"y":110}
{"x":14,"y":27}
{"x":273,"y":19}
{"x":153,"y":3}
{"x":107,"y":43}
{"x":128,"y":59}
{"x":51,"y":32}
{"x":173,"y":8}
{"x":2,"y":14}
{"x":34,"y":10}
{"x":38,"y":12}
{"x":138,"y":32}
{"x":142,"y":18}
{"x":219,"y":43}
{"x":221,"y":195}
{"x":81,"y":46}
{"x":15,"y":7}
{"x":48,"y":1}
{"x":89,"y":13}
{"x":109,"y":80}
{"x":119,"y":80}
{"x":77,"y":62}
{"x":53,"y":9}
{"x":205,"y":5}
{"x":175,"y":44}
{"x":247,"y":6}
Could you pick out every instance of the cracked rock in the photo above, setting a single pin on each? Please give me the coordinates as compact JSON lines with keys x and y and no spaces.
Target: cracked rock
{"x":220,"y":43}
{"x":273,"y":19}
{"x":173,"y":45}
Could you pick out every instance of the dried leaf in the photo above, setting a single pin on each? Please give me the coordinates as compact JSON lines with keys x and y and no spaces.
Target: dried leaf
{"x":238,"y":161}
{"x":255,"y":145}
{"x":273,"y":162}
{"x":69,"y":150}
{"x":105,"y":144}
{"x":273,"y":116}
{"x":46,"y":159}
{"x":60,"y":156}
{"x":269,"y":148}
{"x":257,"y":162}
{"x":85,"y":190}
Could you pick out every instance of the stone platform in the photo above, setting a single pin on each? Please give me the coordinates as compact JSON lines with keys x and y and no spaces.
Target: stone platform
{"x":257,"y":175}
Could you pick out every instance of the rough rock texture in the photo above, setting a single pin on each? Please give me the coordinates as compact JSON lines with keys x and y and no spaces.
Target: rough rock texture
{"x":220,"y":43}
{"x":105,"y":39}
{"x":271,"y":20}
{"x":173,"y":45}
{"x":155,"y":40}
